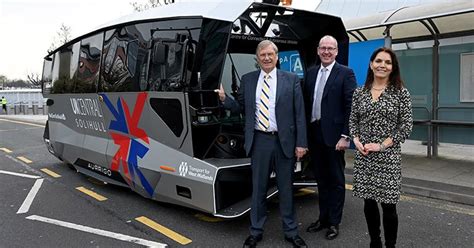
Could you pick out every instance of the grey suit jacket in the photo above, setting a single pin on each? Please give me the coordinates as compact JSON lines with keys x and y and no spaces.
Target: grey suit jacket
{"x":289,"y":110}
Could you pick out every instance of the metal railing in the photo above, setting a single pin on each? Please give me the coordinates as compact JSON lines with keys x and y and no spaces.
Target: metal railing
{"x":433,"y":125}
{"x":28,"y":108}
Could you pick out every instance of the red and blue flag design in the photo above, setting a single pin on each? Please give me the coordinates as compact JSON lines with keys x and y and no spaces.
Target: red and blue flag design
{"x":126,"y":134}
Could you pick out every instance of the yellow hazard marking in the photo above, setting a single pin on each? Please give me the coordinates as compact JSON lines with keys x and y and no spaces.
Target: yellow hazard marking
{"x":92,"y":194}
{"x":304,"y":191}
{"x":165,"y":231}
{"x":438,"y":205}
{"x":349,"y":186}
{"x":6,"y":150}
{"x":50,"y":172}
{"x":24,"y":159}
{"x":208,"y":218}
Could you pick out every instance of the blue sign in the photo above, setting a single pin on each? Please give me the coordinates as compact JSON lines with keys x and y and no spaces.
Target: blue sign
{"x":290,"y":61}
{"x":359,"y":57}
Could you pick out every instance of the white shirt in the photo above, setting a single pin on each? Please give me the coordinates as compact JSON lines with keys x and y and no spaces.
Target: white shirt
{"x":318,"y":79}
{"x":328,"y":72}
{"x":273,"y":88}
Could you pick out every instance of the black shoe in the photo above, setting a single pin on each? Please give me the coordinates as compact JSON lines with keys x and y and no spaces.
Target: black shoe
{"x":251,"y":241}
{"x":315,"y":227}
{"x":377,"y":243}
{"x":332,"y":232}
{"x":296,"y":241}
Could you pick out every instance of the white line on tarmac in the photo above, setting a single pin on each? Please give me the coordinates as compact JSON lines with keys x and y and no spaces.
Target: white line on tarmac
{"x":21,"y":122}
{"x":19,"y":174}
{"x":97,"y":231}
{"x":30,"y":197}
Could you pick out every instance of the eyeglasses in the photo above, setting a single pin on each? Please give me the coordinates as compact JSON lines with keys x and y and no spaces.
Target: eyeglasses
{"x":329,"y":49}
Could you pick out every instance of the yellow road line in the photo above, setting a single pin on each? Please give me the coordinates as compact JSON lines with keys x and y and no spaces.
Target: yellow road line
{"x":303,"y":192}
{"x":24,"y":159}
{"x":92,"y":194}
{"x":50,"y":172}
{"x":165,"y":231}
{"x":208,"y":218}
{"x":22,"y":122}
{"x":6,"y":150}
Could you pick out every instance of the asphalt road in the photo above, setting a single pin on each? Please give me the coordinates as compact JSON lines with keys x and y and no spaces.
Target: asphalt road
{"x":39,"y":210}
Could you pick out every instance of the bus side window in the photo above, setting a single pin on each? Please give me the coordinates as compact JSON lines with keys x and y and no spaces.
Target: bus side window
{"x":89,"y":64}
{"x":63,"y":70}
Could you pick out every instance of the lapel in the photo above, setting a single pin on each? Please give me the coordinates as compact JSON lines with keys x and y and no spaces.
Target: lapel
{"x":251,"y":90}
{"x":331,"y":78}
{"x":281,"y":82}
{"x":312,"y":81}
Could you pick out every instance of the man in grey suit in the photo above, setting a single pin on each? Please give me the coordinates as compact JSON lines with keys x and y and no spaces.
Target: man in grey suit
{"x":275,"y":137}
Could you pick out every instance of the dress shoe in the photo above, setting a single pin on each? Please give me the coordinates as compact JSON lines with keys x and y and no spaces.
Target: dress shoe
{"x":251,"y":241}
{"x":296,"y":241}
{"x":332,"y":232}
{"x":315,"y":227}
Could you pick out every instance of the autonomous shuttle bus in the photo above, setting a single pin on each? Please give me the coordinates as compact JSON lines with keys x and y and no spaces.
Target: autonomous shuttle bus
{"x":132,"y":103}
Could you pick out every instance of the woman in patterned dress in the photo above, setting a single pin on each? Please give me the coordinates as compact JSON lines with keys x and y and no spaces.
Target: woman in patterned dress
{"x":381,"y":119}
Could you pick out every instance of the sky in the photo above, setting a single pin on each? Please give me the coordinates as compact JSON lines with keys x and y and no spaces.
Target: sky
{"x":28,"y":27}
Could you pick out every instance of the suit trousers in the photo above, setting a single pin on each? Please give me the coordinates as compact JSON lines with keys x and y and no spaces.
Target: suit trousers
{"x":267,"y":155}
{"x":328,"y":165}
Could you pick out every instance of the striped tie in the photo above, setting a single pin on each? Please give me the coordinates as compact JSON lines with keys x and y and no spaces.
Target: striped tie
{"x":263,"y":115}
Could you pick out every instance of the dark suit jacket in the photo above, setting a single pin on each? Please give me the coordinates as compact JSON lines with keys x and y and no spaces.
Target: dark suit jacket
{"x":336,"y":101}
{"x":289,"y":110}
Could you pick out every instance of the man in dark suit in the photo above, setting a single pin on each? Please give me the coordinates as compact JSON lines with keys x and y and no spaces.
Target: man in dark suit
{"x":328,"y":98}
{"x":275,"y":136}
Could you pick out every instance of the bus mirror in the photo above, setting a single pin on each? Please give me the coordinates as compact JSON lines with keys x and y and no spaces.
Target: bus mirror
{"x":160,"y":54}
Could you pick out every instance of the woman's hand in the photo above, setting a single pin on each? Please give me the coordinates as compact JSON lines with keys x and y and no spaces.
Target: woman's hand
{"x":372,"y":147}
{"x":360,"y":147}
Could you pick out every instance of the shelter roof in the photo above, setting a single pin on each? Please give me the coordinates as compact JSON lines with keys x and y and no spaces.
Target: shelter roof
{"x":421,"y":21}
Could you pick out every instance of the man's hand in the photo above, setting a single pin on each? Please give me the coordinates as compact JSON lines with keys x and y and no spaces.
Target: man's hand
{"x":221,"y":93}
{"x":300,"y":152}
{"x":342,"y":144}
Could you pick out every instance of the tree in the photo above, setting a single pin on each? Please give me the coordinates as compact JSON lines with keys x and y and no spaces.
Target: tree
{"x":3,"y":80}
{"x":34,"y":79}
{"x":150,"y":4}
{"x":62,"y":37}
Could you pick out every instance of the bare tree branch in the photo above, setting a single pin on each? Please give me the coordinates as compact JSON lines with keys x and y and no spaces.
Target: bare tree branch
{"x":150,"y":4}
{"x":34,"y":79}
{"x":63,"y":35}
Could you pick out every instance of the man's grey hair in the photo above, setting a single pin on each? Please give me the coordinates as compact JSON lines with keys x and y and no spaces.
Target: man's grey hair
{"x":327,"y":37}
{"x":265,"y":43}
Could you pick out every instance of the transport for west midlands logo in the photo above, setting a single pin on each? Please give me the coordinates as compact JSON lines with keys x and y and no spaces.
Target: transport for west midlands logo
{"x":183,"y":169}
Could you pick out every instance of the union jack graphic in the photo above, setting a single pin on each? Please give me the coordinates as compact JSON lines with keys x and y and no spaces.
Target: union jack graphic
{"x":126,"y":134}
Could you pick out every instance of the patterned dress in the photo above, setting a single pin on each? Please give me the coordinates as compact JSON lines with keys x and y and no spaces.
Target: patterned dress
{"x":378,"y":175}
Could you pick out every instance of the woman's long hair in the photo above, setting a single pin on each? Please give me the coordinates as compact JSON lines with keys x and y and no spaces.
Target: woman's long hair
{"x":394,"y":78}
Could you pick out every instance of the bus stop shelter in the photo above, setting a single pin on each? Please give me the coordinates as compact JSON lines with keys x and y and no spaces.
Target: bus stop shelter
{"x":429,"y":22}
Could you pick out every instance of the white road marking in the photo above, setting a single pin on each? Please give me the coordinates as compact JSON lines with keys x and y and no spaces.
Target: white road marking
{"x":21,"y":122}
{"x":19,"y":174}
{"x":30,"y":197}
{"x":96,"y":231}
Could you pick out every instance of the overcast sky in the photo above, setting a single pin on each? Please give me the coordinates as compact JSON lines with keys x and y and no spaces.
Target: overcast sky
{"x":28,"y":27}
